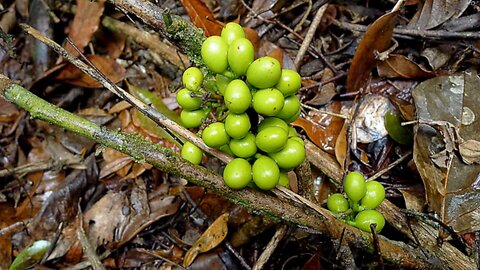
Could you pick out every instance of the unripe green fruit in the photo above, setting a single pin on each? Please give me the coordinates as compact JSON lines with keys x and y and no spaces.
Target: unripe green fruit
{"x":265,"y":173}
{"x":272,"y":122}
{"x":240,"y":56}
{"x":214,"y":135}
{"x":192,"y":153}
{"x":290,"y":108}
{"x":244,"y":147}
{"x":289,"y":82}
{"x":237,"y":125}
{"x":271,"y":139}
{"x":237,"y":96}
{"x":186,"y":101}
{"x":192,"y":78}
{"x":292,"y":155}
{"x":367,"y":217}
{"x":237,"y":173}
{"x":231,"y":32}
{"x":268,"y":102}
{"x":374,"y":195}
{"x":264,"y":72}
{"x":337,"y":203}
{"x":354,"y":186}
{"x":214,"y":54}
{"x":192,"y":119}
{"x":283,"y":180}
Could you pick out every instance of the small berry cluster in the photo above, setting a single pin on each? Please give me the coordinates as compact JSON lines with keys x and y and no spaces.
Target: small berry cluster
{"x":260,"y":99}
{"x":363,"y":198}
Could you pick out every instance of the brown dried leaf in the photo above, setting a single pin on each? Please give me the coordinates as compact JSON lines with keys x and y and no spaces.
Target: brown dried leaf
{"x":326,"y":92}
{"x":451,"y":185}
{"x":434,"y":13}
{"x":399,"y":66}
{"x":376,"y":39}
{"x":85,"y":23}
{"x":202,"y":17}
{"x":5,"y":252}
{"x":212,"y":237}
{"x":72,"y":75}
{"x":470,"y":151}
{"x":322,"y":129}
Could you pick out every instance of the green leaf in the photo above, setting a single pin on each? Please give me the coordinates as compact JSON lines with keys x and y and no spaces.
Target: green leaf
{"x":399,"y":133}
{"x":30,"y":255}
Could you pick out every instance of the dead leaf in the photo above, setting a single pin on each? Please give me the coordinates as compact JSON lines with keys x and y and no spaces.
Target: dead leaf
{"x":433,"y":13}
{"x":326,"y":91}
{"x":322,"y":129}
{"x":470,"y":151}
{"x":399,"y":66}
{"x":450,"y":184}
{"x":202,"y":17}
{"x":85,"y":23}
{"x":211,"y":238}
{"x":376,"y":39}
{"x":72,"y":75}
{"x":341,"y":147}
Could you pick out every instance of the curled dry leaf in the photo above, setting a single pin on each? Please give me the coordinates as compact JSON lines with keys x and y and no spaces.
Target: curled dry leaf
{"x":211,"y":238}
{"x":376,"y":39}
{"x":399,"y":66}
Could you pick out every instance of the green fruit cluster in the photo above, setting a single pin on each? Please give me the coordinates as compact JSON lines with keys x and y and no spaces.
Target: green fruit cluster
{"x":358,"y":208}
{"x":260,"y":102}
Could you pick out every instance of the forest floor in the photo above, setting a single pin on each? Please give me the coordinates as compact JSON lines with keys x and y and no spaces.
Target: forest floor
{"x":388,"y":89}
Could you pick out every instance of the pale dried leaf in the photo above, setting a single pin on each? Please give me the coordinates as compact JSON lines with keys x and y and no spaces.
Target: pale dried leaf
{"x":212,"y":237}
{"x":470,"y":151}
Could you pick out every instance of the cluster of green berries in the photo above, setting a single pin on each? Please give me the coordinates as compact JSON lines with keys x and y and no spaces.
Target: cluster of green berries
{"x":250,"y":90}
{"x":363,"y":197}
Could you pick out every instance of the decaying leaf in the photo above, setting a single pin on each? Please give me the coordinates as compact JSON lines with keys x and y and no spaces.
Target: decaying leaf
{"x":202,"y":17}
{"x":376,"y":39}
{"x":399,"y":66}
{"x":433,"y":13}
{"x":111,"y":69}
{"x":321,"y":128}
{"x":85,"y":23}
{"x":211,"y":238}
{"x":449,"y":182}
{"x":470,"y":151}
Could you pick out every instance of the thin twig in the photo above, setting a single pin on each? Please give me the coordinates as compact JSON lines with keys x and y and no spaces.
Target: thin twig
{"x":271,"y":246}
{"x":378,"y":251}
{"x":309,"y":36}
{"x":42,"y":166}
{"x":399,"y":32}
{"x":324,"y":112}
{"x":389,"y":167}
